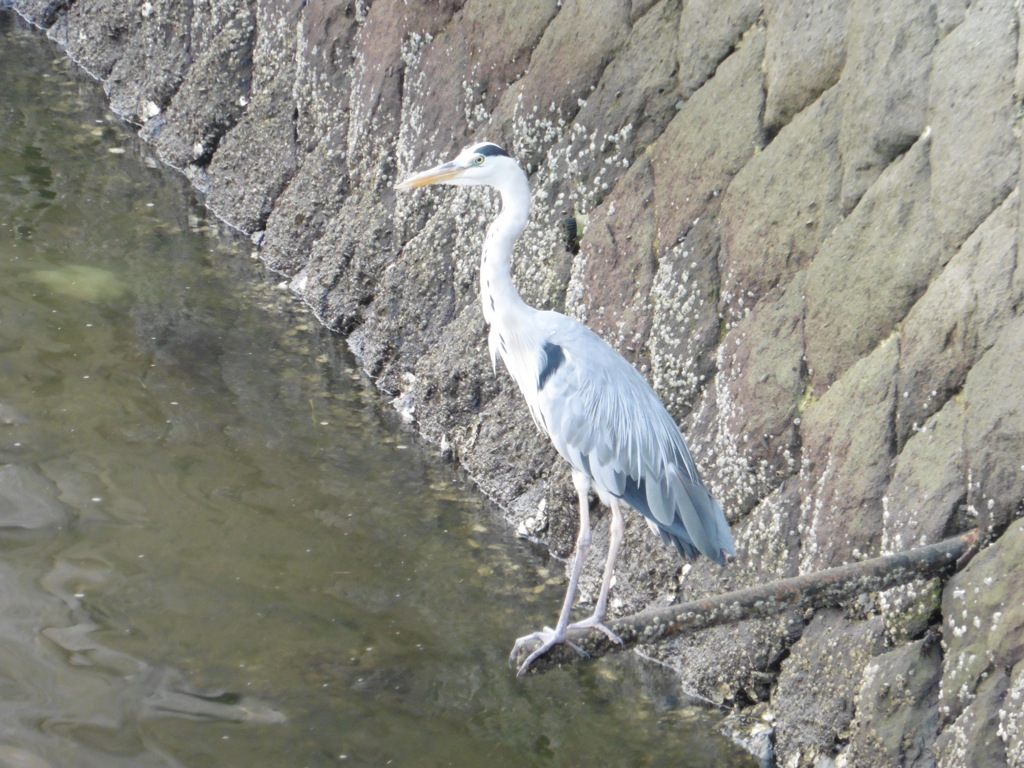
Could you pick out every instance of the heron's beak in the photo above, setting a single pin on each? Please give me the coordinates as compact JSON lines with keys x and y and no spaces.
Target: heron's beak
{"x":438,"y":175}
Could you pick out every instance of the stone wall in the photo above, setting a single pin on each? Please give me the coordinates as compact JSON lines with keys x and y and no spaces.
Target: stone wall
{"x":801,"y":221}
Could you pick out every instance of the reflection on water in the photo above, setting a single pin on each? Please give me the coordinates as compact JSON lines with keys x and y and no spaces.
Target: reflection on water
{"x":217,"y":547}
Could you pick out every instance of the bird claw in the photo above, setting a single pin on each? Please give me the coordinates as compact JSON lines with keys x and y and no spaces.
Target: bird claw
{"x":548,"y":639}
{"x":594,"y":623}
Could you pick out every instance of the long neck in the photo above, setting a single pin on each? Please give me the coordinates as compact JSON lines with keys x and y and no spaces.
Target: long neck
{"x":500,"y":297}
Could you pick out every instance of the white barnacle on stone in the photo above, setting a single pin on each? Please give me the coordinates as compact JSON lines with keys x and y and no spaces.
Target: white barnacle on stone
{"x":1011,"y":722}
{"x":995,"y":620}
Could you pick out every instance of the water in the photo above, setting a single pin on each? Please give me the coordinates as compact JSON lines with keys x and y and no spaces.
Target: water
{"x":217,"y":545}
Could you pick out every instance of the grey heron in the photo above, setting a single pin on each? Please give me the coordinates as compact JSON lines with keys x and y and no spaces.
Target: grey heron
{"x":600,"y":413}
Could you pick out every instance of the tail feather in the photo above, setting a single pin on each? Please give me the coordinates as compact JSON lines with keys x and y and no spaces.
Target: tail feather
{"x":697,"y":524}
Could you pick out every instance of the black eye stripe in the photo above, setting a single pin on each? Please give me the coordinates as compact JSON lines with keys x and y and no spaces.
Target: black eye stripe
{"x":489,"y":150}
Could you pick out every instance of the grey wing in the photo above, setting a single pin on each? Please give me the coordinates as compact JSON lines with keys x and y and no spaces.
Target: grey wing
{"x":606,"y":421}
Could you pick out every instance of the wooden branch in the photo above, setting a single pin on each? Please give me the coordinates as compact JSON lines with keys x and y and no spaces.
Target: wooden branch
{"x":813,"y":590}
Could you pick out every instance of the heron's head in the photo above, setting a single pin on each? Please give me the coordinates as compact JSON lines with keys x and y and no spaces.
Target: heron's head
{"x":482,"y":164}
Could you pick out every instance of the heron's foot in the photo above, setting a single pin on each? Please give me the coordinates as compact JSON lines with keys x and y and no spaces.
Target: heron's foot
{"x":597,"y":622}
{"x":548,"y":639}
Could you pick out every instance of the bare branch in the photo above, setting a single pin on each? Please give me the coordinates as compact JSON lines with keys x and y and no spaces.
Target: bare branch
{"x":813,"y":590}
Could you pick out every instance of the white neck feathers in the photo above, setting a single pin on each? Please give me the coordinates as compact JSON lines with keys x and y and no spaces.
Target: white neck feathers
{"x":497,"y":292}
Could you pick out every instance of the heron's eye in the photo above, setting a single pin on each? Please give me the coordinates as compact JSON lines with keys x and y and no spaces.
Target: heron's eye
{"x":479,"y":159}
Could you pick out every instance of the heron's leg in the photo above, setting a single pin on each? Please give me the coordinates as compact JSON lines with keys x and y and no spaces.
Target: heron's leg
{"x":550,"y":637}
{"x":582,"y":547}
{"x":615,"y":531}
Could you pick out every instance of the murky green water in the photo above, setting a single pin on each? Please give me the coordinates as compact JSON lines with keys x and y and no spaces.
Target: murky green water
{"x":217,"y":547}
